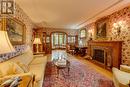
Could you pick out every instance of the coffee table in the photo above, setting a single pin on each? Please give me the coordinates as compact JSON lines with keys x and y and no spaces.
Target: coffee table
{"x":63,"y":67}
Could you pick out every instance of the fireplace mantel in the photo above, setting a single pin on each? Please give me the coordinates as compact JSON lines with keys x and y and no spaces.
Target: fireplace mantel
{"x":115,"y":47}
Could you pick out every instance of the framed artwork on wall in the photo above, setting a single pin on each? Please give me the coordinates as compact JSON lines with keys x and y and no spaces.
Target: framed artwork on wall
{"x":16,"y":31}
{"x":101,"y":28}
{"x":83,"y":33}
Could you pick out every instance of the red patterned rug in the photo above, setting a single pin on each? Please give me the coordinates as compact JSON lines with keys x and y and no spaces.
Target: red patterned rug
{"x":80,"y":75}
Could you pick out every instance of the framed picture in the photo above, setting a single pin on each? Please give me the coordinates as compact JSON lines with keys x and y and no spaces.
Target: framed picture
{"x":101,"y":28}
{"x":83,"y":33}
{"x":16,"y":31}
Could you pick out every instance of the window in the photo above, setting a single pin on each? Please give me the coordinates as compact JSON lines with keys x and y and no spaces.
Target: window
{"x":61,"y":39}
{"x":58,"y":40}
{"x":83,"y":33}
{"x":71,"y":39}
{"x":55,"y":39}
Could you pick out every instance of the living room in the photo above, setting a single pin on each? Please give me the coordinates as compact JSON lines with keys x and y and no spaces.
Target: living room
{"x":71,"y":43}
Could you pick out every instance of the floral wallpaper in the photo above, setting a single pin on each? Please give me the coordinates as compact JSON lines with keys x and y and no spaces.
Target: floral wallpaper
{"x":121,"y":17}
{"x":124,"y":17}
{"x":21,"y":15}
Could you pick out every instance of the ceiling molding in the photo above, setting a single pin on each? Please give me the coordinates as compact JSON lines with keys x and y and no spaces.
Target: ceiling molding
{"x":98,"y":14}
{"x":68,"y":14}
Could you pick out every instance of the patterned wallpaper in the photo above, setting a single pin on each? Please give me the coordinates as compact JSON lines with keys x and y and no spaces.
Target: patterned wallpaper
{"x":21,"y":15}
{"x":119,"y":16}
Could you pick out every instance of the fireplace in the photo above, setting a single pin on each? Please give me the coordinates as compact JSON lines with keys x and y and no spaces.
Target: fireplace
{"x":99,"y":55}
{"x":102,"y":56}
{"x":105,"y":53}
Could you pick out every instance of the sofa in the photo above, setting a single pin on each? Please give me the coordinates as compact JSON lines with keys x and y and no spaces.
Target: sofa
{"x":121,"y":77}
{"x":27,"y":66}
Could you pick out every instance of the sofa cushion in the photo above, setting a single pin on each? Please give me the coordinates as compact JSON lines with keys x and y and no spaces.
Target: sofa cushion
{"x":39,"y":60}
{"x":28,"y":56}
{"x":122,"y":77}
{"x":1,"y":75}
{"x":6,"y":68}
{"x":23,"y":66}
{"x":17,"y":69}
{"x":9,"y":68}
{"x":38,"y":70}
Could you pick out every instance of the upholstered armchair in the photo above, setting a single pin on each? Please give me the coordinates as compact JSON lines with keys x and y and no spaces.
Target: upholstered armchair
{"x":121,"y":77}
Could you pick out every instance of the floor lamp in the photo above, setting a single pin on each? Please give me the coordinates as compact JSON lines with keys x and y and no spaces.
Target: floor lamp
{"x":5,"y":44}
{"x":37,"y":41}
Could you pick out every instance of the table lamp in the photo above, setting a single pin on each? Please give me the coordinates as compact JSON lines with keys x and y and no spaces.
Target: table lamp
{"x":5,"y":44}
{"x":37,"y":41}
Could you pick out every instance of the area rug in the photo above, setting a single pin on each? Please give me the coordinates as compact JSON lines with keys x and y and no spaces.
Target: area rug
{"x":80,"y":75}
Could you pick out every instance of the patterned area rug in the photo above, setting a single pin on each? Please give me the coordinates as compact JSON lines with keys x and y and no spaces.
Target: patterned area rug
{"x":80,"y":75}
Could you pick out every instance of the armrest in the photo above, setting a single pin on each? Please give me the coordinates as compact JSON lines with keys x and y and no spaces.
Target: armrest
{"x":125,"y":68}
{"x":27,"y":79}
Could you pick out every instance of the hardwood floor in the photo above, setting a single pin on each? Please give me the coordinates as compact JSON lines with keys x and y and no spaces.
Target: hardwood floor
{"x":59,"y":53}
{"x":99,"y":69}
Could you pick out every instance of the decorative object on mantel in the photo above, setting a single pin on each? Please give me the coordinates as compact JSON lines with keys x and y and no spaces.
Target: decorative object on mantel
{"x":109,"y":38}
{"x":5,"y":44}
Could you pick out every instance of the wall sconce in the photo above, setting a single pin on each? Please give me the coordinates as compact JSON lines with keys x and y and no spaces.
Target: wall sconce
{"x":118,"y":26}
{"x":90,"y":31}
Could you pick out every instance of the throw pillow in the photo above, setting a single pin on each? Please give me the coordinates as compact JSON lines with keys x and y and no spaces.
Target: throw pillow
{"x":6,"y":68}
{"x":16,"y":82}
{"x":23,"y":66}
{"x":7,"y":83}
{"x":17,"y":69}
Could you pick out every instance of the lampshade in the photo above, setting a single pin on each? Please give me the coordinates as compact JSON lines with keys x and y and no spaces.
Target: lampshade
{"x":5,"y":45}
{"x":37,"y":41}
